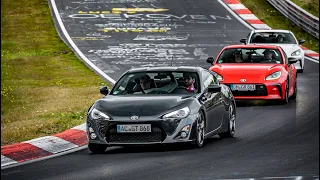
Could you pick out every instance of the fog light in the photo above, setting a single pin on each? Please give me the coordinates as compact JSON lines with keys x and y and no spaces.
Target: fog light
{"x":93,"y":135}
{"x":183,"y":134}
{"x":90,"y":129}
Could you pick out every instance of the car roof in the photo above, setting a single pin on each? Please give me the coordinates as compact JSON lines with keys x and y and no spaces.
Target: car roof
{"x":252,"y":46}
{"x":272,"y":30}
{"x":166,"y":68}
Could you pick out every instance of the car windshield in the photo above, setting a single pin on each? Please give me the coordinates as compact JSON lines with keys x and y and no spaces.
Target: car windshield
{"x":170,"y":82}
{"x":250,"y":55}
{"x":273,"y":38}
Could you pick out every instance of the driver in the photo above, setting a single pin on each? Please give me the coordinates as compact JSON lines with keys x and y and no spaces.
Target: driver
{"x":189,"y":80}
{"x":237,"y":57}
{"x":268,"y":54}
{"x":145,"y":83}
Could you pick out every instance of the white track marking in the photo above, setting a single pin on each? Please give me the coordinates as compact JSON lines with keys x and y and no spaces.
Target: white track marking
{"x":56,"y":12}
{"x":52,"y":144}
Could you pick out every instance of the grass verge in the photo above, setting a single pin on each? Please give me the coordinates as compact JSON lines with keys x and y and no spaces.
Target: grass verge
{"x":45,"y":88}
{"x":273,"y":18}
{"x":311,"y":6}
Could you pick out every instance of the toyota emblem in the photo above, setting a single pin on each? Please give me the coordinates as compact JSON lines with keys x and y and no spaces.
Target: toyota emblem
{"x":243,"y":80}
{"x":134,"y":117}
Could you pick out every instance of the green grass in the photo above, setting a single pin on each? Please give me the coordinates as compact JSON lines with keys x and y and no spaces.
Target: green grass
{"x":311,"y":6}
{"x":273,"y":18}
{"x":45,"y":88}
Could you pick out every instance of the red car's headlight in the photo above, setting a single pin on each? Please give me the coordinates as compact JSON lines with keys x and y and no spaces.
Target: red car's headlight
{"x":273,"y":76}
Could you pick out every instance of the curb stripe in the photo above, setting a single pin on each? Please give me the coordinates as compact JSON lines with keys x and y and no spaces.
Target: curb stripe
{"x":81,"y":127}
{"x":52,"y":144}
{"x":261,"y":26}
{"x":248,"y":16}
{"x":7,"y":161}
{"x":21,"y":152}
{"x":254,"y":21}
{"x":237,"y":6}
{"x":232,"y":1}
{"x":242,"y":11}
{"x":74,"y":136}
{"x":312,"y":54}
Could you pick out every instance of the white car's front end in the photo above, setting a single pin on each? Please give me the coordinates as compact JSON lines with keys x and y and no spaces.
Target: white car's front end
{"x":294,"y":51}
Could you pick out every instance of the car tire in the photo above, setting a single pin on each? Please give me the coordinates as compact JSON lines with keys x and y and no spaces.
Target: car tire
{"x":200,"y":130}
{"x":231,"y":123}
{"x":294,"y":95}
{"x":286,"y":94}
{"x":97,"y":148}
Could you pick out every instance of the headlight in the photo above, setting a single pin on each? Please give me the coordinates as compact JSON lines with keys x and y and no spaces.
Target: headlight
{"x":96,"y":114}
{"x":218,"y":76}
{"x":274,"y":75}
{"x":296,"y":53}
{"x":181,"y":113}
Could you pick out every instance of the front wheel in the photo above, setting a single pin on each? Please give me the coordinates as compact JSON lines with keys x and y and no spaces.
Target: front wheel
{"x":294,"y":95}
{"x":200,"y":128}
{"x":286,"y":94}
{"x":97,"y":148}
{"x":231,"y":123}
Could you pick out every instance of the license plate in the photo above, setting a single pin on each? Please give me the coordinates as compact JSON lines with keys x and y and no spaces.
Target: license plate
{"x":243,"y":87}
{"x":133,"y":128}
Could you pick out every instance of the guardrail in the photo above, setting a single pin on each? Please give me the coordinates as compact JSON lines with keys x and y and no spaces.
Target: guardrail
{"x":297,"y":15}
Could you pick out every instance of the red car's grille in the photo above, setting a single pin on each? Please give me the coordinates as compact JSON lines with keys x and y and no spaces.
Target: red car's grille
{"x":261,"y":90}
{"x":156,"y":135}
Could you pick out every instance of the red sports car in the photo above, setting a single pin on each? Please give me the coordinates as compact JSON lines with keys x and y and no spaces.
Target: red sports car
{"x":256,"y":72}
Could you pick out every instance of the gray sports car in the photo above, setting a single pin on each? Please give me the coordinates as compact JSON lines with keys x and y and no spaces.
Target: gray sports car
{"x":161,"y":105}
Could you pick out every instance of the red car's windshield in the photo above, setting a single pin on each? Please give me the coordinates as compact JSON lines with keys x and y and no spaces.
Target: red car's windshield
{"x":250,"y":55}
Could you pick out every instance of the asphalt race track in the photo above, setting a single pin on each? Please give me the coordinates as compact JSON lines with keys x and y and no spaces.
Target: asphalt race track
{"x":272,"y":141}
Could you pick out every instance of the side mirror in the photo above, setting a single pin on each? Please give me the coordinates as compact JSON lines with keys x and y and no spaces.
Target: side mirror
{"x":301,"y":41}
{"x":210,"y":60}
{"x":104,"y":90}
{"x":243,"y":41}
{"x":292,"y":60}
{"x":214,"y":88}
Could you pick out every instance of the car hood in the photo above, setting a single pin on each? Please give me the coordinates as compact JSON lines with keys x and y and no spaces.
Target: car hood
{"x":253,"y":73}
{"x":140,"y":105}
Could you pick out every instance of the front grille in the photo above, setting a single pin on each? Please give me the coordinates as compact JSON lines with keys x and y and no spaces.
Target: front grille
{"x":156,"y":135}
{"x":261,"y":90}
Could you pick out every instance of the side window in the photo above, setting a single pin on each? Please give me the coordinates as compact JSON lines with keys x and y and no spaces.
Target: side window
{"x":208,"y":79}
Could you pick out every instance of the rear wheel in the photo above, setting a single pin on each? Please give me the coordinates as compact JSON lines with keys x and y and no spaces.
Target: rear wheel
{"x":97,"y":148}
{"x":231,"y":123}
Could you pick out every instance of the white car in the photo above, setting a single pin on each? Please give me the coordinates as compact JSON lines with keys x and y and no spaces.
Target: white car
{"x":283,"y":38}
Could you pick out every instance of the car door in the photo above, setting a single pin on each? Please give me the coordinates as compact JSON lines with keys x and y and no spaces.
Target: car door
{"x":213,"y":102}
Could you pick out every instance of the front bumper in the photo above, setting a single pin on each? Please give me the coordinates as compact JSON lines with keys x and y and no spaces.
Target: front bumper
{"x":162,"y":131}
{"x":266,"y":91}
